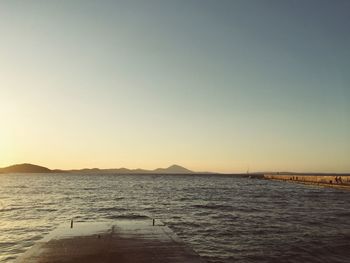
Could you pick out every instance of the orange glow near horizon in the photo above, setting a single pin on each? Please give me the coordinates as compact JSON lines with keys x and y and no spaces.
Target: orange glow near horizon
{"x":124,"y":85}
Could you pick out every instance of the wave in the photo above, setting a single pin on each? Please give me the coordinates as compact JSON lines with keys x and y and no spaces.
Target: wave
{"x":111,"y":209}
{"x":214,"y":206}
{"x":10,"y":209}
{"x":127,"y":216}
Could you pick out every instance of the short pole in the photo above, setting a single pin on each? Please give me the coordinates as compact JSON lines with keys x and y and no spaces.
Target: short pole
{"x":71,"y":223}
{"x":153,"y":221}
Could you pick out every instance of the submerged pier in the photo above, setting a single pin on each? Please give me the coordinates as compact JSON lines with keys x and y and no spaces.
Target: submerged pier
{"x":123,"y":241}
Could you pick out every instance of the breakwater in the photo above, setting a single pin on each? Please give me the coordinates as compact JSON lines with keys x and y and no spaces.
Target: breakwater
{"x":335,"y":180}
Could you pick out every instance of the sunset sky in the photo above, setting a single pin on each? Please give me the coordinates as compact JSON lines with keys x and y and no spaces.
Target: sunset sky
{"x":211,"y":85}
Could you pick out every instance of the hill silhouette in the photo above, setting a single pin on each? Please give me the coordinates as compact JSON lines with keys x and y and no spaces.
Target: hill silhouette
{"x":173,"y":169}
{"x":25,"y":168}
{"x":31,"y":168}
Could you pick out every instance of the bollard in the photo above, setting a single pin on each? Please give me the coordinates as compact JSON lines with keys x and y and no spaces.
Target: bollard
{"x":71,"y":223}
{"x":153,"y":221}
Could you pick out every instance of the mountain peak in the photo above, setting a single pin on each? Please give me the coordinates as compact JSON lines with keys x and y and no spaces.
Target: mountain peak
{"x":175,"y":166}
{"x":173,"y":169}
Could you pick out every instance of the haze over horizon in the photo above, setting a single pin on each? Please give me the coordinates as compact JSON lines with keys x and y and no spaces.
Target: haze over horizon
{"x":218,"y":86}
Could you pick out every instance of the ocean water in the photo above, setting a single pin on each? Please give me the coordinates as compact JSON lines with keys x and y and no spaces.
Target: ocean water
{"x":223,"y":218}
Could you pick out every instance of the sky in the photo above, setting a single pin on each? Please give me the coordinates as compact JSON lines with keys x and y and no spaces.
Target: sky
{"x":221,"y":86}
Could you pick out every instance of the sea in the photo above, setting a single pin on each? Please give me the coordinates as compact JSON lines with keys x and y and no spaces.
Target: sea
{"x":223,"y":218}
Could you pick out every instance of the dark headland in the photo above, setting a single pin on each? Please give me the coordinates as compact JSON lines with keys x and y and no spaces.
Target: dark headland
{"x":25,"y":168}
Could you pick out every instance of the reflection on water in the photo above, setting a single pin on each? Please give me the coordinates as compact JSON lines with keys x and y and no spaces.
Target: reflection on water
{"x":225,"y":219}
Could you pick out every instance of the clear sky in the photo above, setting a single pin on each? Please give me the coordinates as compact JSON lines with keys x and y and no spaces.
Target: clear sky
{"x":210,"y":85}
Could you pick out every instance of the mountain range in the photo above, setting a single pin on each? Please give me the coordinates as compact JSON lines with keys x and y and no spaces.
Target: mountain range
{"x":31,"y":168}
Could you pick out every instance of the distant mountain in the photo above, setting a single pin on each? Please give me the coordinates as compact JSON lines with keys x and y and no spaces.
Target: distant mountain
{"x":25,"y":168}
{"x":174,"y":169}
{"x":31,"y":168}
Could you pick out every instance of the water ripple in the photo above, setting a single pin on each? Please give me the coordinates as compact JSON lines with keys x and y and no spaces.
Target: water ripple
{"x":225,"y":219}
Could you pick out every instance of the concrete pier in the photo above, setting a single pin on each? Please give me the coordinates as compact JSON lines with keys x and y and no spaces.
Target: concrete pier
{"x":123,"y":241}
{"x":339,"y":181}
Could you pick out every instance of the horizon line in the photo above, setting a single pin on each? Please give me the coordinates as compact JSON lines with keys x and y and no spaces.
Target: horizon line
{"x":179,"y":166}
